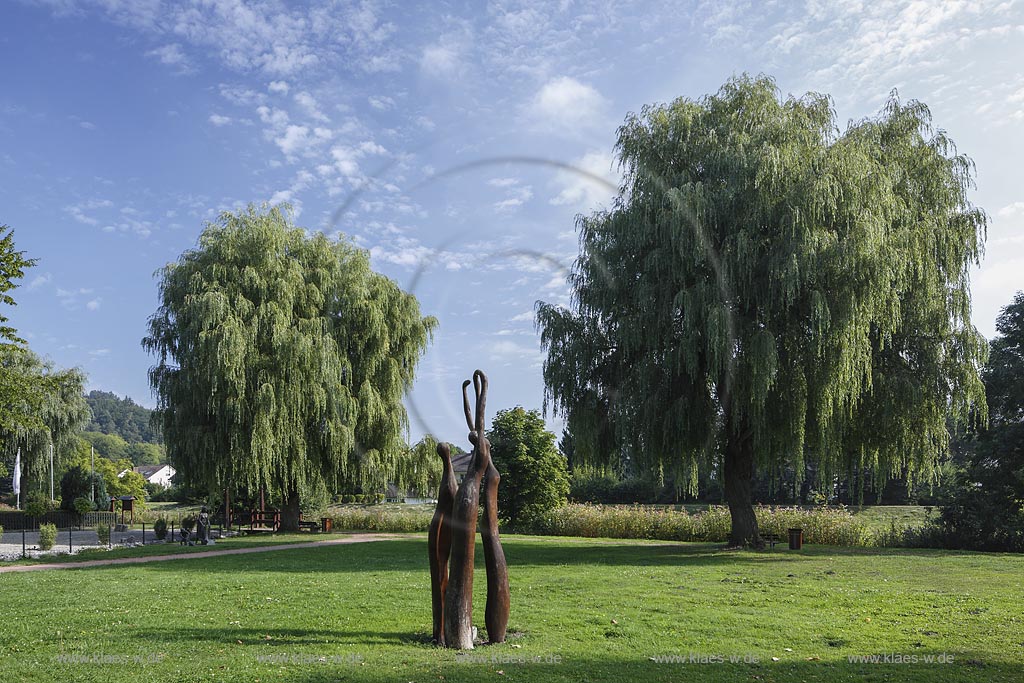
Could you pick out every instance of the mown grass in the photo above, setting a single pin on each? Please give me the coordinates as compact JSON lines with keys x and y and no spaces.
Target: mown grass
{"x":601,"y":609}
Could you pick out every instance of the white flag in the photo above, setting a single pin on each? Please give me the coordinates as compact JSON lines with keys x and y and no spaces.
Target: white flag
{"x":17,"y":473}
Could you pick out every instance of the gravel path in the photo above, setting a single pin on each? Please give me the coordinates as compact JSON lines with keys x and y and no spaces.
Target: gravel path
{"x":357,"y":538}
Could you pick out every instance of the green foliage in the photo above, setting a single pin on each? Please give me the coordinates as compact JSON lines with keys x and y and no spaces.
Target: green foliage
{"x":103,"y":533}
{"x":282,"y":359}
{"x":83,"y":505}
{"x":146,"y":453}
{"x":123,"y":417}
{"x":47,"y":536}
{"x":419,"y":472}
{"x":534,"y":479}
{"x":53,"y":415}
{"x":824,"y":526}
{"x":160,"y":529}
{"x":188,"y":522}
{"x":37,"y":504}
{"x":75,"y":484}
{"x":985,"y":506}
{"x":372,"y":519}
{"x":109,"y":446}
{"x":12,"y":267}
{"x":765,"y":286}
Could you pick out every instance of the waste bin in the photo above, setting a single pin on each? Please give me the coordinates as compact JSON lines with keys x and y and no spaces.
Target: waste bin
{"x":325,"y":525}
{"x":796,"y":539}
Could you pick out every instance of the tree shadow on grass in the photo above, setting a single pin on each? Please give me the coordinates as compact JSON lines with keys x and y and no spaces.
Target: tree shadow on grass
{"x":271,"y":638}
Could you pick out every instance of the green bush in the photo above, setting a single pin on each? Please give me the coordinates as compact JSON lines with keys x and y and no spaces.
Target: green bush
{"x":37,"y":505}
{"x":82,"y":506}
{"x":188,"y":523}
{"x":1,"y":533}
{"x":47,"y":536}
{"x":160,"y":529}
{"x":103,"y":533}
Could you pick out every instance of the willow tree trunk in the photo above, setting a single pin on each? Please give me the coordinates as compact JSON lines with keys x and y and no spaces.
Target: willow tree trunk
{"x":291,"y":513}
{"x":496,"y":612}
{"x":439,"y":541}
{"x":738,"y":478}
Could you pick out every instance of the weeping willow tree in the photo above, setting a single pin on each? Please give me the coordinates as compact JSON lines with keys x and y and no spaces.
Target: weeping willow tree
{"x":52,"y":411}
{"x":282,"y":360}
{"x":766,"y":286}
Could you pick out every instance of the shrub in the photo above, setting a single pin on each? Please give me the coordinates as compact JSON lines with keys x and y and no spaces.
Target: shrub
{"x":37,"y":505}
{"x":160,"y":529}
{"x":82,"y":506}
{"x":47,"y":536}
{"x":1,"y":533}
{"x":103,"y":533}
{"x":188,"y":523}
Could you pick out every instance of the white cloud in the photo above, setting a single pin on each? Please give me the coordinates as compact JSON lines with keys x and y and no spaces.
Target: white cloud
{"x":218,"y":120}
{"x":440,"y":60}
{"x":296,"y":139}
{"x":171,"y":55}
{"x":567,"y":104}
{"x":1014,"y":209}
{"x":93,"y":304}
{"x":40,"y":280}
{"x":87,"y":125}
{"x":278,"y":87}
{"x":78,"y":211}
{"x":591,"y":183}
{"x":503,"y":182}
{"x":516,"y":198}
{"x":381,"y":102}
{"x":311,"y":106}
{"x":525,"y":316}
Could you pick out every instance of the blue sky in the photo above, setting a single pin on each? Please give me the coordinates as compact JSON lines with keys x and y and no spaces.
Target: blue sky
{"x":423,"y":133}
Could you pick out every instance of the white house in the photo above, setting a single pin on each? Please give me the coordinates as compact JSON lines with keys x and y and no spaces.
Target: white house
{"x":154,"y":474}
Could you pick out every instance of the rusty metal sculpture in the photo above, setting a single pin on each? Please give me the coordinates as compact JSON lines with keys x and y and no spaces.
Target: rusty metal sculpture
{"x":439,"y":540}
{"x":459,"y":516}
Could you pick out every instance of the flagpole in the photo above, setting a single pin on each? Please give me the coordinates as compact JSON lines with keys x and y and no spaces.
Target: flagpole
{"x":92,"y":488}
{"x":17,"y":477}
{"x":51,"y":471}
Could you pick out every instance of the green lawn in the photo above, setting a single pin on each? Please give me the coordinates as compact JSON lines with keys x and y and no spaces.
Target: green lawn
{"x":247,"y":541}
{"x":590,"y":610}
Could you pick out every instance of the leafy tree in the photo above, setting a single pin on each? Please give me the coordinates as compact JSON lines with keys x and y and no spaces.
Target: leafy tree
{"x":145,"y":454}
{"x":109,"y":446}
{"x":54,"y":415}
{"x":21,"y":392}
{"x":421,"y":469}
{"x":12,"y":267}
{"x":534,"y":479}
{"x":123,"y":417}
{"x":74,"y":484}
{"x":766,"y":286}
{"x":282,"y":359}
{"x":985,"y":510}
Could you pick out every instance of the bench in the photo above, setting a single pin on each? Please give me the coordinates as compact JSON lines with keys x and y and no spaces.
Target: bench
{"x":308,"y":526}
{"x":771,"y":540}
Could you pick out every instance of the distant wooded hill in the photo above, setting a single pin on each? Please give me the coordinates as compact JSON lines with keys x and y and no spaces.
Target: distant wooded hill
{"x":121,"y":416}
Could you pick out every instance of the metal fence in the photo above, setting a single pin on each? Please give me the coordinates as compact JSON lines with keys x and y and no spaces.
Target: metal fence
{"x":62,"y":519}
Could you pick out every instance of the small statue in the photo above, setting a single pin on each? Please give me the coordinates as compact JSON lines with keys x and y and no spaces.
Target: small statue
{"x":203,"y":527}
